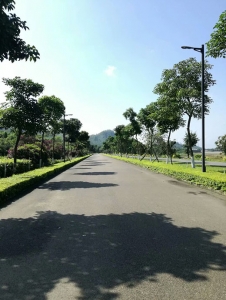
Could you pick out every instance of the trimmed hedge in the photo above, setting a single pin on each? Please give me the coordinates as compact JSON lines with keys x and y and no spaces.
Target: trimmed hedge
{"x":210,"y":179}
{"x":21,"y":167}
{"x":12,"y":186}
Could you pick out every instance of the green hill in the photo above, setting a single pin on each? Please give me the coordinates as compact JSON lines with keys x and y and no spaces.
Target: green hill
{"x":98,"y":139}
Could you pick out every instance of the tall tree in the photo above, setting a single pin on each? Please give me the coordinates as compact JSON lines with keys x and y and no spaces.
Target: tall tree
{"x":221,"y":143}
{"x":169,"y":118}
{"x":120,"y":137}
{"x":189,"y":94}
{"x":12,"y":47}
{"x":135,"y":127}
{"x":148,"y":125}
{"x":72,"y":128}
{"x":194,"y":141}
{"x":56,"y":127}
{"x":21,"y":111}
{"x":52,"y":109}
{"x":183,"y":83}
{"x":83,"y":143}
{"x":216,"y":47}
{"x":110,"y":144}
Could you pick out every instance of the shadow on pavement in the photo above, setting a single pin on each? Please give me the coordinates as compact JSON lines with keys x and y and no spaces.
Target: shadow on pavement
{"x":89,"y":162}
{"x":92,"y":164}
{"x":97,"y":161}
{"x":68,"y":185}
{"x":197,"y":193}
{"x":96,"y":173}
{"x":105,"y":161}
{"x":99,"y":253}
{"x":83,"y":168}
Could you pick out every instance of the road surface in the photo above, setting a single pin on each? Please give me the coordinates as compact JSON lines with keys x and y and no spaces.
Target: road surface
{"x":105,"y":229}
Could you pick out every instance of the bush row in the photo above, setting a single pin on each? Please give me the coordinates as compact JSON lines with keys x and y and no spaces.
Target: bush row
{"x":210,"y":179}
{"x":6,"y":167}
{"x":12,"y":186}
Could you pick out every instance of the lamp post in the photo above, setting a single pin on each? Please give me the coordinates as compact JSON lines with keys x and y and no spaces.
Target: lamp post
{"x":202,"y":51}
{"x":65,"y":115}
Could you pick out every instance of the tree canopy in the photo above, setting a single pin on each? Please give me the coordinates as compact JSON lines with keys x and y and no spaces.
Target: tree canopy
{"x":21,"y":111}
{"x":12,"y":47}
{"x":52,"y":109}
{"x":221,"y":143}
{"x":216,"y":47}
{"x":72,"y":128}
{"x":193,"y":140}
{"x":181,"y":87}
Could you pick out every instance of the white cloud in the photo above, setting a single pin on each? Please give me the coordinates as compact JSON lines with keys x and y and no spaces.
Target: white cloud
{"x":110,"y":71}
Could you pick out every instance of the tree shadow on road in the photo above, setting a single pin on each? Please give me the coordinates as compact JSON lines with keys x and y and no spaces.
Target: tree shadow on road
{"x":92,"y":164}
{"x":83,"y":168}
{"x":69,"y":185}
{"x":99,"y":253}
{"x":105,"y":161}
{"x":96,"y":173}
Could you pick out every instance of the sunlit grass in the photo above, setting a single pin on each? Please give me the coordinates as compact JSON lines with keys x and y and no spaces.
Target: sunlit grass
{"x":213,"y":178}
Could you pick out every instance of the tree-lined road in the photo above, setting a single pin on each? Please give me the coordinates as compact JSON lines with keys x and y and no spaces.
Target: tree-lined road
{"x":105,"y":229}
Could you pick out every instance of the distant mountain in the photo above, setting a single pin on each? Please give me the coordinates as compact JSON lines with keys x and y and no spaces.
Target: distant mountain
{"x":98,"y":139}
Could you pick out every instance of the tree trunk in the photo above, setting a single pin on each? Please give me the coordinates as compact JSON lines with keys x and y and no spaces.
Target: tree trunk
{"x":42,"y":141}
{"x":68,"y":148}
{"x":16,"y":146}
{"x":187,"y":150}
{"x":143,"y":157}
{"x":156,"y":157}
{"x":189,"y":142}
{"x":138,"y":147}
{"x":168,"y":147}
{"x":151,"y":148}
{"x":53,"y":147}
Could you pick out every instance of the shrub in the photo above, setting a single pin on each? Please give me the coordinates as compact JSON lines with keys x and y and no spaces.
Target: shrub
{"x":31,"y":152}
{"x":10,"y":187}
{"x":176,"y":155}
{"x":7,"y":165}
{"x":6,"y":169}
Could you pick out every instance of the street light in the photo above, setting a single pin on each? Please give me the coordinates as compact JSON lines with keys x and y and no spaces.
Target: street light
{"x":202,"y":51}
{"x":65,"y":115}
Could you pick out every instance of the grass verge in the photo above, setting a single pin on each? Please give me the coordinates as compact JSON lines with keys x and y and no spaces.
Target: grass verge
{"x":212,"y":179}
{"x":12,"y":186}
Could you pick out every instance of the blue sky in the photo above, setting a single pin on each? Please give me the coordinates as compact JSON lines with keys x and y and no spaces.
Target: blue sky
{"x":104,"y":56}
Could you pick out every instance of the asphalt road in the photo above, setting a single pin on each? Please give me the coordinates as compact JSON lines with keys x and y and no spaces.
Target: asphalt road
{"x":106,"y":229}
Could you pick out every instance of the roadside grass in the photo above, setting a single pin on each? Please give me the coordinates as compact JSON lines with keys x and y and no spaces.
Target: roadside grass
{"x":214,"y":178}
{"x":7,"y":167}
{"x":209,"y":156}
{"x":14,"y":185}
{"x":209,"y":169}
{"x":5,"y":159}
